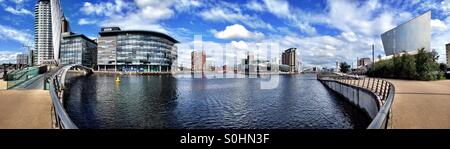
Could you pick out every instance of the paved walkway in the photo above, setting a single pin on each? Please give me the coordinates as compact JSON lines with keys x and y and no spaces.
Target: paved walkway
{"x":421,"y":104}
{"x":25,"y":109}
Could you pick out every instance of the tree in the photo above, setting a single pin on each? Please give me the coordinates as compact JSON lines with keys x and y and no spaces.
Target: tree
{"x":344,"y":67}
{"x":426,"y":65}
{"x":422,"y":66}
{"x":407,"y":67}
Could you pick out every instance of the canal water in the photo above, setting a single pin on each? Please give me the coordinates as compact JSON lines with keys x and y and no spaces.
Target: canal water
{"x":299,"y":102}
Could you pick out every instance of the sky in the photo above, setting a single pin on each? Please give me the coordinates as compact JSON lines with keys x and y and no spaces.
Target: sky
{"x":324,"y":31}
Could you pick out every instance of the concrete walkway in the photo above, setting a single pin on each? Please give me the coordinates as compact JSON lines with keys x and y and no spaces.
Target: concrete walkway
{"x":421,"y":104}
{"x":25,"y":109}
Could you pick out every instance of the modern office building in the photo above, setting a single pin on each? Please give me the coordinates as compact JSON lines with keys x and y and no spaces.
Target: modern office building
{"x":22,"y":59}
{"x":362,"y":62}
{"x":198,"y":61}
{"x":135,"y":51}
{"x":447,"y":49}
{"x":47,"y":31}
{"x":409,"y":37}
{"x":78,"y":49}
{"x":289,"y":58}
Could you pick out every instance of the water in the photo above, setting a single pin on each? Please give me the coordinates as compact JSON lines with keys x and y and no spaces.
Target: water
{"x":170,"y":102}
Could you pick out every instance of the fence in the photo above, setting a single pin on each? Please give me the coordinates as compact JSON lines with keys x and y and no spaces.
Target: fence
{"x":355,"y":89}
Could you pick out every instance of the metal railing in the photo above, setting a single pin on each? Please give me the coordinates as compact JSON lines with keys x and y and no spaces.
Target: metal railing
{"x":56,"y":83}
{"x":382,"y":89}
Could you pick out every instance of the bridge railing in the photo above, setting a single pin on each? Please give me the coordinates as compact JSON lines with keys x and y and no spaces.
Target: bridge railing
{"x":17,"y":77}
{"x":382,"y":89}
{"x":56,"y":84}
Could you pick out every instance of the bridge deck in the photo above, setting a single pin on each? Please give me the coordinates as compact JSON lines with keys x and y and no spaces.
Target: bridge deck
{"x":25,"y":109}
{"x":421,"y":104}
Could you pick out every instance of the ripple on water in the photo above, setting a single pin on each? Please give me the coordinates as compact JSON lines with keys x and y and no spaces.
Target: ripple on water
{"x":167,"y":102}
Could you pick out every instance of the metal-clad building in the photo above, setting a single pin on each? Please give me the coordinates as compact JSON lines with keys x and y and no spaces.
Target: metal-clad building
{"x":409,"y":37}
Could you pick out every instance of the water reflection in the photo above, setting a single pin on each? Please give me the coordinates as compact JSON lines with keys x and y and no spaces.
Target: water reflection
{"x":185,"y":102}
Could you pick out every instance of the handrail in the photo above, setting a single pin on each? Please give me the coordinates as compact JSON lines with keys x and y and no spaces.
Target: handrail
{"x":385,"y":90}
{"x":56,"y":88}
{"x":382,"y":118}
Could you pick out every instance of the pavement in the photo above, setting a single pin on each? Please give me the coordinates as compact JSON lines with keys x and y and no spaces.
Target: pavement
{"x":421,"y":104}
{"x":25,"y":109}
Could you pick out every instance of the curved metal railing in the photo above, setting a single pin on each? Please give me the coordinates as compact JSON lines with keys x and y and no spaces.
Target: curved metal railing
{"x":382,"y":89}
{"x":56,"y":87}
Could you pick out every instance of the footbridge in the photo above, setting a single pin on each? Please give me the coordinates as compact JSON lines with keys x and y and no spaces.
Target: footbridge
{"x":56,"y":85}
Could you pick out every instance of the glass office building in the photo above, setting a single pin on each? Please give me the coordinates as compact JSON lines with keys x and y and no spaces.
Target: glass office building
{"x":135,"y":51}
{"x":409,"y":37}
{"x":78,"y":49}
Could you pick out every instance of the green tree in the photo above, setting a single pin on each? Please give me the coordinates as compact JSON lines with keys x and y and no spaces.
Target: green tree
{"x":422,"y":66}
{"x":407,"y":67}
{"x":426,"y":65}
{"x":344,"y":67}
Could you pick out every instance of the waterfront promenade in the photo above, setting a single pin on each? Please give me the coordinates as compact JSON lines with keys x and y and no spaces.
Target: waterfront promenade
{"x":27,"y":106}
{"x":25,"y":109}
{"x":421,"y":104}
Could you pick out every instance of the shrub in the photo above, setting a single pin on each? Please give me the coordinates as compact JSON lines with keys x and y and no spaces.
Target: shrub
{"x":422,"y":66}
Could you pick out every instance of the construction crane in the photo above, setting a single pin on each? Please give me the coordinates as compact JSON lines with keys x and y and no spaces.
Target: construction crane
{"x":30,"y":53}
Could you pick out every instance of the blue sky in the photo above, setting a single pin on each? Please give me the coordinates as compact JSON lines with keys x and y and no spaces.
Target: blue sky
{"x":324,"y":31}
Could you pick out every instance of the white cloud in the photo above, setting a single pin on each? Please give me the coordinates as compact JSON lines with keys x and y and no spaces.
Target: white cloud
{"x":19,"y":2}
{"x":279,"y":8}
{"x":185,"y":5}
{"x":105,"y":8}
{"x":9,"y":33}
{"x":18,"y":11}
{"x":294,"y":17}
{"x":8,"y":56}
{"x":438,"y":25}
{"x":237,"y":31}
{"x":137,"y":14}
{"x":233,"y":14}
{"x":155,"y":10}
{"x":240,"y":45}
{"x":445,"y":6}
{"x":349,"y":36}
{"x":255,"y":6}
{"x":134,"y":21}
{"x":84,"y":21}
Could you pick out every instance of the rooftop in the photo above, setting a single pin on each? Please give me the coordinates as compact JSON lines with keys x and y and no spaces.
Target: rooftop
{"x":105,"y":31}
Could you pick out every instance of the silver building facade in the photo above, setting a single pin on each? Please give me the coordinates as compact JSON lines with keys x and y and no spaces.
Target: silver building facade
{"x":47,"y":31}
{"x":22,"y":59}
{"x":409,"y":37}
{"x":136,"y":51}
{"x":78,"y":49}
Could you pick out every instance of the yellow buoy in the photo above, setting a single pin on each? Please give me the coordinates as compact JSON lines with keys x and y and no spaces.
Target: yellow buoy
{"x":117,"y":79}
